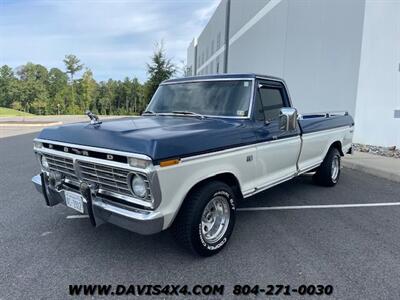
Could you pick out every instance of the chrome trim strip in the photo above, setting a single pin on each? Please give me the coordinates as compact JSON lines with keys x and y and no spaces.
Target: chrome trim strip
{"x":137,"y":215}
{"x":103,"y":150}
{"x":278,"y":80}
{"x":305,"y":170}
{"x":204,"y":78}
{"x":325,"y":114}
{"x":190,"y":158}
{"x":37,"y":181}
{"x":91,"y":159}
{"x":327,"y":130}
{"x":72,"y":182}
{"x":126,"y":198}
{"x":267,"y":186}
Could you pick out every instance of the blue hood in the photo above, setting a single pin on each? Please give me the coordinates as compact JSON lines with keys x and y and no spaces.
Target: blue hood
{"x":158,"y":137}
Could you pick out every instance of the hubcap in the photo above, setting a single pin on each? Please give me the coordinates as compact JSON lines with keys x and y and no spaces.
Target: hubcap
{"x":215,"y":219}
{"x":335,"y":168}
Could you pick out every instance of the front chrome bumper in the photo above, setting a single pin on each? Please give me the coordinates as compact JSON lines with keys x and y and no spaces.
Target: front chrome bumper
{"x":101,"y":210}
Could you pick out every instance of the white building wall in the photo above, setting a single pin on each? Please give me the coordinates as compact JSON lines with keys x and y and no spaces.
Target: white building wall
{"x":259,"y":48}
{"x":335,"y":55}
{"x":379,"y":77}
{"x":242,"y":12}
{"x":191,"y":57}
{"x":211,"y":43}
{"x":314,"y":45}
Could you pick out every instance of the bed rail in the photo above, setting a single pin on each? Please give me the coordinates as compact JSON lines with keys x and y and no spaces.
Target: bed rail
{"x":323,"y":114}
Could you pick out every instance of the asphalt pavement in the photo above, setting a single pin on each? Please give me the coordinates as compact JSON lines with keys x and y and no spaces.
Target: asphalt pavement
{"x":354,"y":249}
{"x":12,"y":126}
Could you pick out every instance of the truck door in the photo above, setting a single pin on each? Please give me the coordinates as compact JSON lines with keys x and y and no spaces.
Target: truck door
{"x":277,"y":150}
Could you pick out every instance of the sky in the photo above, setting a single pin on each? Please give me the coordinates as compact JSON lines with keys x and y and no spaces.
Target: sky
{"x":114,"y":39}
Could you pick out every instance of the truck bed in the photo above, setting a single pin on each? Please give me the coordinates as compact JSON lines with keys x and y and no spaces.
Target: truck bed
{"x":323,"y":121}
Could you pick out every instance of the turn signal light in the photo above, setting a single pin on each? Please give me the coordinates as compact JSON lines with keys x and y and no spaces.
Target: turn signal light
{"x":170,"y":162}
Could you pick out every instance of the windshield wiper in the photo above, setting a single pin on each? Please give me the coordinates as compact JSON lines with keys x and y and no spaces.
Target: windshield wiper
{"x":176,"y":112}
{"x":188,"y":113}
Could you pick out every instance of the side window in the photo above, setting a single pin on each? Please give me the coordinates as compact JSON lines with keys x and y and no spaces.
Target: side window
{"x":258,"y":109}
{"x":272,"y":102}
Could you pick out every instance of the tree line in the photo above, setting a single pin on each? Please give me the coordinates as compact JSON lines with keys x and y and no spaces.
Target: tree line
{"x":35,"y":89}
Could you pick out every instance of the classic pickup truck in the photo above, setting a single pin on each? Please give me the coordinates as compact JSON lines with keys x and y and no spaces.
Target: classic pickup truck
{"x":203,"y":145}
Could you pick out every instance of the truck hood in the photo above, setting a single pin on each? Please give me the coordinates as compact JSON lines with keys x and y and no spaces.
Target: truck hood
{"x":159,"y":137}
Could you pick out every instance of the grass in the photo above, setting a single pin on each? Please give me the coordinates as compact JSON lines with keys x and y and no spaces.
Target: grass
{"x":8,"y":112}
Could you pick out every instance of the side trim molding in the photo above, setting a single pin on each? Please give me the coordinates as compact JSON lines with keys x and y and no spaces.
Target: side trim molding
{"x":267,"y":186}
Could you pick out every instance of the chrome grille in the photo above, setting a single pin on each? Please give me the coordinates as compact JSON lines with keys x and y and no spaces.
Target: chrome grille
{"x":108,"y":178}
{"x":63,"y":165}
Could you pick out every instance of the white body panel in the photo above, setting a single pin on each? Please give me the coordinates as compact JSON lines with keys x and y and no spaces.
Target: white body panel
{"x":273,"y":162}
{"x":276,"y":160}
{"x":176,"y":181}
{"x":316,"y":145}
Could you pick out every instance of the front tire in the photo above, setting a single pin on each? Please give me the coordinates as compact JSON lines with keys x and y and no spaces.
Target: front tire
{"x":206,"y":219}
{"x":328,"y":172}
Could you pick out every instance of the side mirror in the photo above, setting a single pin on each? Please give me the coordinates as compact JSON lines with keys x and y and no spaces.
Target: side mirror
{"x":287,"y":119}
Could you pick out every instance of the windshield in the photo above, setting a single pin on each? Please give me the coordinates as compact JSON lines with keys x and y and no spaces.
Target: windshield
{"x":212,"y":98}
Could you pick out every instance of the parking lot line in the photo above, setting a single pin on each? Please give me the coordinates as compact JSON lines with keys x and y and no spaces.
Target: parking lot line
{"x":77,"y":217}
{"x":291,"y":207}
{"x":318,"y":206}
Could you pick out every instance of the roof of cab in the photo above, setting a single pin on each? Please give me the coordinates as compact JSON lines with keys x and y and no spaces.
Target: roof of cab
{"x":222,"y":76}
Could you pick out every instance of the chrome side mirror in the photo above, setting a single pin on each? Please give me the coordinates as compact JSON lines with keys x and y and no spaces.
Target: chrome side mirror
{"x":287,"y":119}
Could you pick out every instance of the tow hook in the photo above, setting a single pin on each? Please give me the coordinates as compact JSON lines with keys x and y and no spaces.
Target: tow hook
{"x":86,"y":191}
{"x":55,"y":179}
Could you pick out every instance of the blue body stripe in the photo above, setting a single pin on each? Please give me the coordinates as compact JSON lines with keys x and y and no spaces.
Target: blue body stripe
{"x":177,"y":137}
{"x":316,"y":123}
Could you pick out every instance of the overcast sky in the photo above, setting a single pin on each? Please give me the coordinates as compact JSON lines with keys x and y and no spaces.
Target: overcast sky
{"x":114,"y":39}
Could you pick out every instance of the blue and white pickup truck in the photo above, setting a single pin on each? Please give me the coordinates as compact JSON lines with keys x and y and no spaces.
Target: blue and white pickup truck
{"x":203,"y":145}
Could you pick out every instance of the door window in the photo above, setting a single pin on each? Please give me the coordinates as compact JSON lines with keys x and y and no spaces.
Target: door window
{"x":271,"y":101}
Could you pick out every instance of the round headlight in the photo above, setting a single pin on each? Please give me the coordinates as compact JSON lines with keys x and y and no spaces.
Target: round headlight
{"x":139,"y":186}
{"x":45,"y":163}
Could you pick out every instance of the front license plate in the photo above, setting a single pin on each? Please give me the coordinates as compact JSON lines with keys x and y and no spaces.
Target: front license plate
{"x":74,"y":200}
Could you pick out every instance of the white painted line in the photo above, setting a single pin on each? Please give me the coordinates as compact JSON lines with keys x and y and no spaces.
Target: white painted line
{"x":77,"y":217}
{"x":318,"y":206}
{"x":253,"y":21}
{"x":21,"y":124}
{"x":214,"y":56}
{"x":46,"y":233}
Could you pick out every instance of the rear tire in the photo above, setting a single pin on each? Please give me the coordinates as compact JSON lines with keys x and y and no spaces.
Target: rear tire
{"x":206,"y":219}
{"x":328,"y":172}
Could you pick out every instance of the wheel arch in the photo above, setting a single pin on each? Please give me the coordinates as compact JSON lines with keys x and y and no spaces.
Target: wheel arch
{"x":225,"y":177}
{"x":337,"y":145}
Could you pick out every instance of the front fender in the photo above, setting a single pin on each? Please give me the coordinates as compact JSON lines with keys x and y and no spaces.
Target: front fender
{"x":176,"y":181}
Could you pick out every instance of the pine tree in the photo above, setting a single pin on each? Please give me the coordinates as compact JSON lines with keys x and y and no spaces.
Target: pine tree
{"x":160,"y":69}
{"x":73,"y":65}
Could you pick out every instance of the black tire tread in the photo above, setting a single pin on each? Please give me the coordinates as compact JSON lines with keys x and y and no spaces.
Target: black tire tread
{"x":323,"y":175}
{"x":182,"y":226}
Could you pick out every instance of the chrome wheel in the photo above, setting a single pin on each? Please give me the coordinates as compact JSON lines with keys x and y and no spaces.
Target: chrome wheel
{"x":215,"y":219}
{"x":335,"y":168}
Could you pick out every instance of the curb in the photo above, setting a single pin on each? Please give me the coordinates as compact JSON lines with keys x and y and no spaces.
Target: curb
{"x":24,"y":124}
{"x":371,"y":170}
